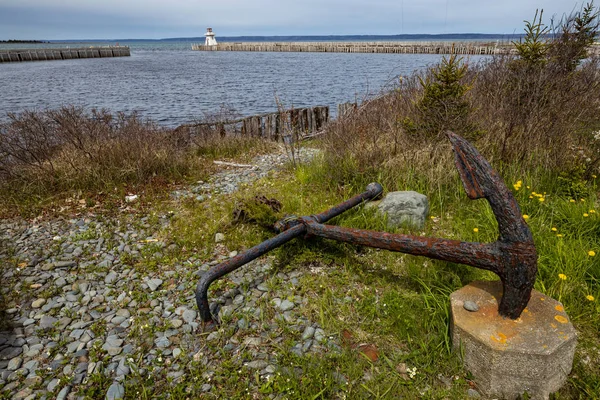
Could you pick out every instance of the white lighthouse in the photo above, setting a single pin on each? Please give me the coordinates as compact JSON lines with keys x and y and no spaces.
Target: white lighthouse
{"x":210,"y":38}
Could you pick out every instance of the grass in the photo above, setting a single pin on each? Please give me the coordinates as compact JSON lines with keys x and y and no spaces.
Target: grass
{"x":399,"y":303}
{"x":537,"y":125}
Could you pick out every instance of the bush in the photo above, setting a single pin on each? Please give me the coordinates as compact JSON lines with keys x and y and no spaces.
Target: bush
{"x":43,"y":153}
{"x":443,"y":105}
{"x":523,"y":111}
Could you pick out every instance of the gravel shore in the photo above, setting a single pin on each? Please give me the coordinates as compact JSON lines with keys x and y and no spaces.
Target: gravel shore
{"x":77,"y":312}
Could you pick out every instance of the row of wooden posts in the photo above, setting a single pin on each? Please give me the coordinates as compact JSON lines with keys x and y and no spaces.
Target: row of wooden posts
{"x":273,"y":126}
{"x":485,"y":48}
{"x":45,"y":54}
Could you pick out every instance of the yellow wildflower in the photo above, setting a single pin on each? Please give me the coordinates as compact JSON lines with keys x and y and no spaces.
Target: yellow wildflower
{"x":591,"y":253}
{"x":594,"y":176}
{"x":562,"y":276}
{"x":590,"y":297}
{"x":592,"y":211}
{"x":582,"y":200}
{"x":541,"y":199}
{"x":571,"y":201}
{"x":553,"y":229}
{"x":586,"y":214}
{"x":528,"y":187}
{"x":525,"y":216}
{"x":475,"y":230}
{"x":559,"y":235}
{"x":531,"y":197}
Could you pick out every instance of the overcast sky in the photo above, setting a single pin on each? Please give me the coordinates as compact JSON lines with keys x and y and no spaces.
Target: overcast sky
{"x":155,"y":19}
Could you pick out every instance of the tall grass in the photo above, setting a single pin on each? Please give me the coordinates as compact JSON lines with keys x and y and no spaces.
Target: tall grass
{"x":55,"y":152}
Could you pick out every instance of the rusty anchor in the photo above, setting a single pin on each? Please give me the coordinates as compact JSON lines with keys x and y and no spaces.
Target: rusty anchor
{"x":512,"y":257}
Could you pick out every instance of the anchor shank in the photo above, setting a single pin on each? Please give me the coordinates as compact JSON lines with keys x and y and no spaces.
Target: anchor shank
{"x":480,"y":255}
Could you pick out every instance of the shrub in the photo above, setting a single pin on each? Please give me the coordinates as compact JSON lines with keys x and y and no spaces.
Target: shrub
{"x":444,"y":105}
{"x":44,"y":153}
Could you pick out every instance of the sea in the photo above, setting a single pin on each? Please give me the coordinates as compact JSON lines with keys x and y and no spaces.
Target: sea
{"x":168,"y":83}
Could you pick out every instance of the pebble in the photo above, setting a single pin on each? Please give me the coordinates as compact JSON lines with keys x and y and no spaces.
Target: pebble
{"x":62,"y":395}
{"x":153,"y":284}
{"x":162,"y":342}
{"x":38,"y":303}
{"x":286,"y":305}
{"x":471,"y":306}
{"x":115,"y":391}
{"x":308,"y":333}
{"x":258,"y":364}
{"x":14,"y":364}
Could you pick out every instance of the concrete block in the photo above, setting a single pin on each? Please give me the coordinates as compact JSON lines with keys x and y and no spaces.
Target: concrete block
{"x":507,"y":358}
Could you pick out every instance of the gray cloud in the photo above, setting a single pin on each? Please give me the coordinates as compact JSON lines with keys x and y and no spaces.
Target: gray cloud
{"x":110,"y":19}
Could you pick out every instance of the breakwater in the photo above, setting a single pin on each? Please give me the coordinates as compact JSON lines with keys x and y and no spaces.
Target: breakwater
{"x":273,"y":126}
{"x":472,"y":48}
{"x":42,"y":54}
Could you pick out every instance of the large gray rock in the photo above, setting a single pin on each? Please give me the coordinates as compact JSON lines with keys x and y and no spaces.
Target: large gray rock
{"x":404,"y":208}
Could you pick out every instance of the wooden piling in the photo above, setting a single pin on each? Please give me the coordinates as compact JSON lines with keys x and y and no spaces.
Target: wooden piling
{"x":472,"y":48}
{"x":273,"y":126}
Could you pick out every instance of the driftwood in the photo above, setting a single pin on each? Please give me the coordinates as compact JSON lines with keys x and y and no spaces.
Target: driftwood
{"x":230,"y":164}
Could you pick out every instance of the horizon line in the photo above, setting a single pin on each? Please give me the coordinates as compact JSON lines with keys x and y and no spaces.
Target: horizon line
{"x":399,"y":35}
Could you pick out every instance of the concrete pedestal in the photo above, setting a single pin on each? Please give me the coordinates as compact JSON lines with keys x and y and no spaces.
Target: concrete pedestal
{"x":532,"y":354}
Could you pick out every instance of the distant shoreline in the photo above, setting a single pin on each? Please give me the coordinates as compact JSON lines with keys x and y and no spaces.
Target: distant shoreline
{"x":22,"y":41}
{"x":319,"y":38}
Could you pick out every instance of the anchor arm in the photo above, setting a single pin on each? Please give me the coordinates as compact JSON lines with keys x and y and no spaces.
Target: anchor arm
{"x":290,"y":229}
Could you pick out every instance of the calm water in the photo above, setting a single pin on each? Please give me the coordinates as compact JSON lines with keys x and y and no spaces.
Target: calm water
{"x":172,"y":85}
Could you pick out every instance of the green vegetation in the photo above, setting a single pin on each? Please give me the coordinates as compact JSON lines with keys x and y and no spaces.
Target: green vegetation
{"x":533,"y":116}
{"x":96,"y":157}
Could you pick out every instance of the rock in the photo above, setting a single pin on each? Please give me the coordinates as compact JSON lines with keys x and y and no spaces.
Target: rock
{"x":286,"y":305}
{"x":14,"y":364}
{"x":176,"y":352}
{"x":319,"y":335}
{"x":308,"y":333}
{"x":65,"y":264}
{"x":258,"y":364}
{"x":52,"y":385}
{"x":189,"y":316}
{"x":473,"y":394}
{"x":162,"y":342}
{"x":111,"y":277}
{"x":20,"y":395}
{"x":471,"y":306}
{"x":123,"y":312}
{"x":62,"y":395}
{"x":115,"y":391}
{"x":219,"y":237}
{"x":32,"y":381}
{"x":38,"y":303}
{"x":153,"y":284}
{"x":176,"y":323}
{"x":402,"y":208}
{"x":206,"y":388}
{"x":10,"y":352}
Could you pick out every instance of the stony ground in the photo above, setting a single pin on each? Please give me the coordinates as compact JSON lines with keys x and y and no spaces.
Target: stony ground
{"x":80,"y":320}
